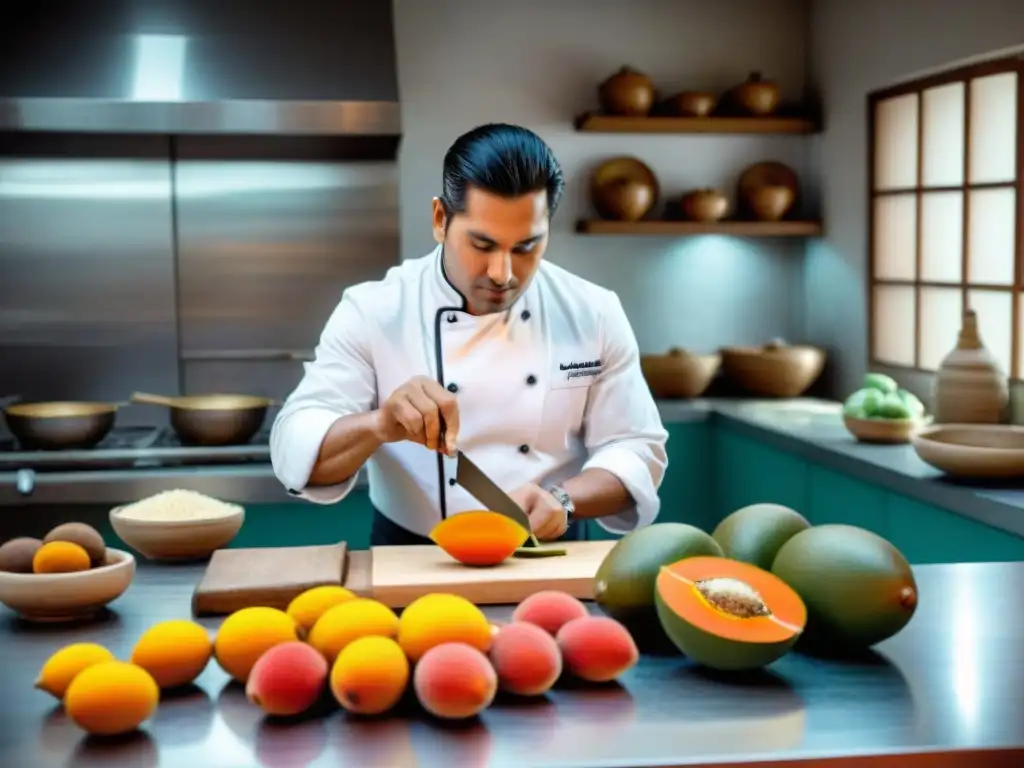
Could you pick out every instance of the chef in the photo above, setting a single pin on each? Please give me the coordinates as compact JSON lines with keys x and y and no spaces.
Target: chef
{"x":483,"y":346}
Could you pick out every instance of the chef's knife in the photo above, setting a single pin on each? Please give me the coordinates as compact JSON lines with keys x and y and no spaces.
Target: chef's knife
{"x":473,"y":479}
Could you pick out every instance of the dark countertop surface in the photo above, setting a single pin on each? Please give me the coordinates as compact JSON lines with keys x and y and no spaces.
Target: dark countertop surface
{"x":813,"y":430}
{"x":952,"y":680}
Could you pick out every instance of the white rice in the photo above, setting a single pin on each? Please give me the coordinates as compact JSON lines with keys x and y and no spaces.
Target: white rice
{"x":177,"y":505}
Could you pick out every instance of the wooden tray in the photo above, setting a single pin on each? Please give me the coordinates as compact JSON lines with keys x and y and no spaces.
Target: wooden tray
{"x":401,"y":574}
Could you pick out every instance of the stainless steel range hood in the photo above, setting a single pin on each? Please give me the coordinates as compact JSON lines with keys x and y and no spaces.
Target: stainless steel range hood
{"x":295,"y":67}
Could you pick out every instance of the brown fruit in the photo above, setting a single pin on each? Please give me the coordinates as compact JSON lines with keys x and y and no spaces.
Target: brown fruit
{"x":370,"y":675}
{"x":16,"y":555}
{"x":549,"y":610}
{"x":597,"y":648}
{"x":288,"y":679}
{"x":85,"y":536}
{"x":526,"y":659}
{"x":60,"y":557}
{"x":455,"y":681}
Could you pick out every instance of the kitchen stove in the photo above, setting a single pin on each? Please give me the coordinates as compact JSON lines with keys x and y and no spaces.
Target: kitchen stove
{"x":134,"y":447}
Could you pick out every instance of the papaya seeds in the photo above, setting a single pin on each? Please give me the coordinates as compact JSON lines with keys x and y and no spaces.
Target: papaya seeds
{"x":733,"y":597}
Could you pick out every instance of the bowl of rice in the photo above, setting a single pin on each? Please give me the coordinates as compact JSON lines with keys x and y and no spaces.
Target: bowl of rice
{"x":177,"y":525}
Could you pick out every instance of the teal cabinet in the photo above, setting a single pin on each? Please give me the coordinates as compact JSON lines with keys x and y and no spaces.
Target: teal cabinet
{"x":836,"y":498}
{"x":686,"y":491}
{"x":302,"y":522}
{"x":747,"y":471}
{"x":927,"y":534}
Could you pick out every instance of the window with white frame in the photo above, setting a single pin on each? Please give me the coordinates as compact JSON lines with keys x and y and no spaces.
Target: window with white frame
{"x":946,"y":215}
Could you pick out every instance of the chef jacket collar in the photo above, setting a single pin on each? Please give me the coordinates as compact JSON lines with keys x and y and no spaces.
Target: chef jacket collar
{"x":448,"y":298}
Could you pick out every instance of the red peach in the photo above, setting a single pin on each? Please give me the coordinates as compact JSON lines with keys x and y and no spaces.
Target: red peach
{"x":287,"y":679}
{"x":597,"y":648}
{"x":526,"y":658}
{"x":549,"y":610}
{"x":454,"y":681}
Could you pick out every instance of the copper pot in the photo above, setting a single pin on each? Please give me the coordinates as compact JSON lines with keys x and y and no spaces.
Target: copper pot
{"x":690,"y":104}
{"x":756,"y":96}
{"x":624,"y":200}
{"x":60,"y":425}
{"x":212,"y":419}
{"x":770,"y":202}
{"x":628,"y":92}
{"x":705,"y":205}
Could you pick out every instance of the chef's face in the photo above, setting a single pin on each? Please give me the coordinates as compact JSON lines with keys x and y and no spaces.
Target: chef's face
{"x":493,"y":248}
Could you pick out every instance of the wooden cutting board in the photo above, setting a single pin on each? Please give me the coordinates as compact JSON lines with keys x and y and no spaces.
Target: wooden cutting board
{"x":272,"y":576}
{"x":401,"y":574}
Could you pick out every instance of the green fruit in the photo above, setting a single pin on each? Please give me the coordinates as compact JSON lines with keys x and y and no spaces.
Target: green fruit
{"x":853,"y":406}
{"x":728,"y":615}
{"x":914,"y":405}
{"x":858,"y":588}
{"x":873,"y":400}
{"x":754,"y":534}
{"x":624,"y":582}
{"x":881,"y":382}
{"x":892,"y":407}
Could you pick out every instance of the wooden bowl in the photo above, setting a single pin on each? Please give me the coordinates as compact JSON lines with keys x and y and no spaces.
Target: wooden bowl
{"x":978,"y":451}
{"x":53,"y":597}
{"x":782,"y":371}
{"x":679,"y":374}
{"x":888,"y":431}
{"x":177,"y":539}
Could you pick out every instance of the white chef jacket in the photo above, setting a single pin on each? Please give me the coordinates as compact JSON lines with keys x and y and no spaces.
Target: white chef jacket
{"x":545,"y":389}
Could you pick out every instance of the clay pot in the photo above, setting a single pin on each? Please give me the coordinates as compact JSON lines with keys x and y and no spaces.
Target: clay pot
{"x":679,"y":374}
{"x":705,"y":205}
{"x":624,"y":200}
{"x":690,"y":104}
{"x":756,"y":96}
{"x":770,"y":202}
{"x":628,"y":92}
{"x":970,"y":388}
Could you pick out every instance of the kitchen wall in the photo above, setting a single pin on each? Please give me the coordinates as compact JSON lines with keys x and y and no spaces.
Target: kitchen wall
{"x":538,"y":63}
{"x":856,"y":48}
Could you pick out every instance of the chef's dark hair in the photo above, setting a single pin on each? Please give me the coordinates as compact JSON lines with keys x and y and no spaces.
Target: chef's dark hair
{"x":505,"y":160}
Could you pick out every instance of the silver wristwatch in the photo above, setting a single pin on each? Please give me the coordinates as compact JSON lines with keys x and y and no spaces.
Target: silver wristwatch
{"x":563,"y":498}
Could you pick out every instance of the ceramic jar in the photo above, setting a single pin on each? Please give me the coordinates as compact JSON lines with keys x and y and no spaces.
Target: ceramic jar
{"x":970,"y":388}
{"x":628,"y":92}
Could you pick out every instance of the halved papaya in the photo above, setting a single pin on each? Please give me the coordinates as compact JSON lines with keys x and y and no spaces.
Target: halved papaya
{"x":479,"y":537}
{"x":728,"y":615}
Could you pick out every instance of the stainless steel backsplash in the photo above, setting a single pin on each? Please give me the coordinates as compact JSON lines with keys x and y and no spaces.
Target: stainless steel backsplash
{"x":181,"y":264}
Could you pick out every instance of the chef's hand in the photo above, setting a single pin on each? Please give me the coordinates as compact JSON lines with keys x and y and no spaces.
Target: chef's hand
{"x":423,"y":411}
{"x":547,"y":516}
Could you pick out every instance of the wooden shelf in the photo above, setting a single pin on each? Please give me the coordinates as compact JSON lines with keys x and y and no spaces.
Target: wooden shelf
{"x":597,"y":123}
{"x":688,"y":228}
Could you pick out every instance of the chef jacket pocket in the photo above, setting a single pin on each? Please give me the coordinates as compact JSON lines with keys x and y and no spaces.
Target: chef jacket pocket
{"x":565,"y":404}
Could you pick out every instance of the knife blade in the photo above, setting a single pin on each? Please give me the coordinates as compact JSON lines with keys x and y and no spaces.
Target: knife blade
{"x":474,"y":480}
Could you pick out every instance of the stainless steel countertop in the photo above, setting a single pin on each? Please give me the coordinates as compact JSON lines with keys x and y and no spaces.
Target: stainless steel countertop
{"x":952,"y":680}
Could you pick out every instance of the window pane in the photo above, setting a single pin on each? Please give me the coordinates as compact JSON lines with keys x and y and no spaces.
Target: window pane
{"x":894,"y":324}
{"x":895,"y":236}
{"x":995,"y":322}
{"x":1019,"y":373}
{"x":942,"y":220}
{"x":994,"y":128}
{"x":896,"y":142}
{"x":990,"y":245}
{"x":943,"y":140}
{"x":941,"y":317}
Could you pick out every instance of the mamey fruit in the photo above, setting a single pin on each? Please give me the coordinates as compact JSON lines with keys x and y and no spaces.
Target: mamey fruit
{"x":370,"y":675}
{"x":754,"y":534}
{"x":60,"y":557}
{"x":65,"y":665}
{"x":111,"y":697}
{"x":309,"y":606}
{"x":288,"y":679}
{"x":728,"y":615}
{"x":439,"y":618}
{"x":479,"y":538}
{"x":174,"y":652}
{"x":597,"y":648}
{"x":859,"y":589}
{"x":624,"y":583}
{"x":349,"y":621}
{"x":549,"y":610}
{"x":455,"y":681}
{"x":85,"y":536}
{"x":16,"y":555}
{"x":526,"y":659}
{"x":247,"y":634}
